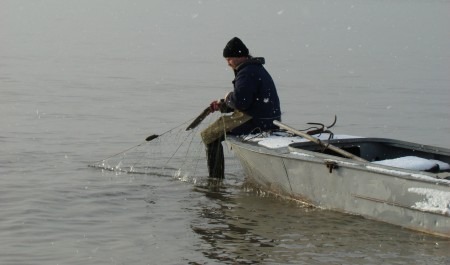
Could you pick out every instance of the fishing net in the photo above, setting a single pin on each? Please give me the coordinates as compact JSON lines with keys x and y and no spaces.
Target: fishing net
{"x":177,"y":153}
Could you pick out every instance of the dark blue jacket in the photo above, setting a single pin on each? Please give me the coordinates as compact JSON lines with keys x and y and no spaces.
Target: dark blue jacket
{"x":256,"y":95}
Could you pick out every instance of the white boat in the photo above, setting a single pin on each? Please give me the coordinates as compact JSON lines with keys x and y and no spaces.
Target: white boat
{"x":393,"y":181}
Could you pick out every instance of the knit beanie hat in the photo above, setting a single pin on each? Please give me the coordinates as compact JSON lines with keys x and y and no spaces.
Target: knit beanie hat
{"x":235,"y":48}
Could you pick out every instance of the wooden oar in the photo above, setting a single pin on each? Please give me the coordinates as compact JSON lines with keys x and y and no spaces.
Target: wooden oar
{"x":317,"y":141}
{"x":199,"y":119}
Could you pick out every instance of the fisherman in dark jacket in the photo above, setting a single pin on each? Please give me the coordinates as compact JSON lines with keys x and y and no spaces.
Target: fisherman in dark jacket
{"x":254,"y":104}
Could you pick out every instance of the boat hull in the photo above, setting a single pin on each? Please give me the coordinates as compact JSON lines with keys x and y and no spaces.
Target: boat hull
{"x":381,"y":193}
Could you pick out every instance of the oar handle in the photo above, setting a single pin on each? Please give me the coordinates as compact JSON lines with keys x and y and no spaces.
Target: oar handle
{"x":317,"y":141}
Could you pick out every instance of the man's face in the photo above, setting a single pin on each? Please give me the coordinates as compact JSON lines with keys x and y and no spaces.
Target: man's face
{"x":234,"y":62}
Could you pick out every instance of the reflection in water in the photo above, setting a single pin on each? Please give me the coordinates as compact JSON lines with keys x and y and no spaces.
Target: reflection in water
{"x":238,"y":226}
{"x":218,"y":229}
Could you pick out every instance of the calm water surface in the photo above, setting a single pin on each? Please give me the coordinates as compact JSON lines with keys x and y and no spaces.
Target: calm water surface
{"x":83,"y":80}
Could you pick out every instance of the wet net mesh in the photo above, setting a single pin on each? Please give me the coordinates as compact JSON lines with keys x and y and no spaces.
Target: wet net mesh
{"x":176,"y":153}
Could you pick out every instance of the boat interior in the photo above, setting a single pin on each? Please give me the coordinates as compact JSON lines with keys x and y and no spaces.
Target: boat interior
{"x":379,"y":149}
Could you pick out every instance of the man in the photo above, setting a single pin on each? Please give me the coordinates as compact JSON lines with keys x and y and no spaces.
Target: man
{"x":254,"y":104}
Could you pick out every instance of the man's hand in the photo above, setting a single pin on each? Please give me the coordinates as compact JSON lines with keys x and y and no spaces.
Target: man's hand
{"x":216,"y":105}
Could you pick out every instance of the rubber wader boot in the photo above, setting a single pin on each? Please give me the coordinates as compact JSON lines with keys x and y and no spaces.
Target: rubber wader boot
{"x":216,"y":163}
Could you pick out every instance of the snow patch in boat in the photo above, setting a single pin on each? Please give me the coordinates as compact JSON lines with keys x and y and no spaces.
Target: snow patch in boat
{"x":413,"y":163}
{"x":435,"y":200}
{"x":278,"y":140}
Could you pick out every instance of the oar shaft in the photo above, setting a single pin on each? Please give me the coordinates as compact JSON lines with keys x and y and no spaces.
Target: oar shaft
{"x":317,"y":141}
{"x":199,"y":119}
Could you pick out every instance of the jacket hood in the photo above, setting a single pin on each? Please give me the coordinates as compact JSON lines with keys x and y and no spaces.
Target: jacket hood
{"x":252,"y":60}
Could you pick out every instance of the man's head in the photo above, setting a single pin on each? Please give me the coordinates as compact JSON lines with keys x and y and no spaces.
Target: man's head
{"x":235,"y":52}
{"x":235,"y":48}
